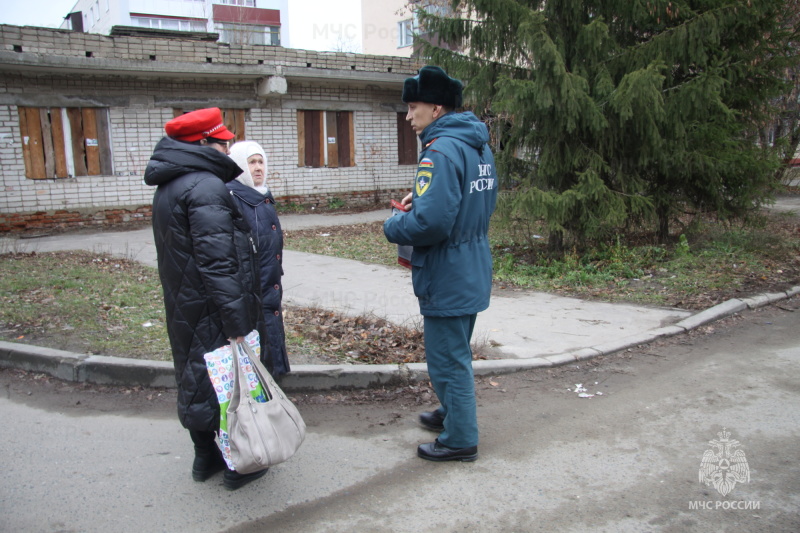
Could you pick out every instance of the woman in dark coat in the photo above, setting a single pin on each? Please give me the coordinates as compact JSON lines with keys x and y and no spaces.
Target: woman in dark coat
{"x":208,"y":270}
{"x":258,"y":207}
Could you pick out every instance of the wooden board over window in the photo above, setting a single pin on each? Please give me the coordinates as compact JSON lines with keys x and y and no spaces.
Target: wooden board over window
{"x":301,"y":138}
{"x":104,"y":139}
{"x":234,"y":121}
{"x":30,"y":125}
{"x":332,"y":139}
{"x":50,"y":135}
{"x":78,"y":141}
{"x":59,"y":149}
{"x":407,"y":151}
{"x":325,"y":139}
{"x":347,"y":146}
{"x":315,"y":145}
{"x":90,"y":138}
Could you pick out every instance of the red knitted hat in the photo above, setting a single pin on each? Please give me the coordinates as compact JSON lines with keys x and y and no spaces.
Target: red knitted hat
{"x":198,"y":125}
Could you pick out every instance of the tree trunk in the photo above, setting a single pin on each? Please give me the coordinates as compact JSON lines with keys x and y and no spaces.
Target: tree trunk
{"x":555,"y":243}
{"x":663,"y":224}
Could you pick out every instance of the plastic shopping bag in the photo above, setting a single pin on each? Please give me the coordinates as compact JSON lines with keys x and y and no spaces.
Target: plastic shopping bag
{"x":219,"y":364}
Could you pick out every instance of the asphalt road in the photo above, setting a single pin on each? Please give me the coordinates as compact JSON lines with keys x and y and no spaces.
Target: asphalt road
{"x":80,"y":458}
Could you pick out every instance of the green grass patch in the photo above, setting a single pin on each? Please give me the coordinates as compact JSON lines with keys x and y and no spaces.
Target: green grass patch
{"x":360,"y":242}
{"x":713,"y":263}
{"x":84,"y":303}
{"x":709,"y":264}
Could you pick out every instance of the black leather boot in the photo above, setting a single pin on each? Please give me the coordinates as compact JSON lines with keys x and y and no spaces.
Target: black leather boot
{"x":432,"y":420}
{"x":207,"y":456}
{"x":436,"y":451}
{"x":234,"y":480}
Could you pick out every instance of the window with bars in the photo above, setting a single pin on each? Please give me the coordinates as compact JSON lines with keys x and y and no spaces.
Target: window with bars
{"x":65,"y":142}
{"x":407,"y":150}
{"x":325,"y":139}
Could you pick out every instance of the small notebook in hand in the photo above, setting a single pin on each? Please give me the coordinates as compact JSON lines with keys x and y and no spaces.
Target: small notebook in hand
{"x":403,"y":251}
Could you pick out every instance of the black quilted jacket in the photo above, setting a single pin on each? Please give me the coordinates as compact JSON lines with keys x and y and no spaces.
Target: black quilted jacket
{"x":207,"y":265}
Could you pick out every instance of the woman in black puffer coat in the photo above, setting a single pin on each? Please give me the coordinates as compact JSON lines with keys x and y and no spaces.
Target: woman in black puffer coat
{"x":208,"y":269}
{"x":258,"y":207}
{"x":207,"y":265}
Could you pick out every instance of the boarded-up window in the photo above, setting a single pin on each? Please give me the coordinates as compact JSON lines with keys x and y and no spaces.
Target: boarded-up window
{"x":232,"y":118}
{"x":406,"y":142}
{"x":63,"y":142}
{"x":325,"y":139}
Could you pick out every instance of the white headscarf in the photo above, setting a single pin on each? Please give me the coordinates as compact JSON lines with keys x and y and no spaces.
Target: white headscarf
{"x":240,"y":153}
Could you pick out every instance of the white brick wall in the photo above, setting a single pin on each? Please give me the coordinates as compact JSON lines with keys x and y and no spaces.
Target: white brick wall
{"x":136,"y":130}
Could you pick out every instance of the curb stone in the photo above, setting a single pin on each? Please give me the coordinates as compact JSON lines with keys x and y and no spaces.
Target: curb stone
{"x":108,"y":370}
{"x":710,"y":315}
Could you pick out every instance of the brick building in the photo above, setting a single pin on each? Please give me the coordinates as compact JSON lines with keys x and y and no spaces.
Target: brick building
{"x":80,"y":114}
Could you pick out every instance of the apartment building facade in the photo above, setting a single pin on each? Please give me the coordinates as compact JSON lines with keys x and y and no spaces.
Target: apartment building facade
{"x":236,"y":21}
{"x":385,"y":27}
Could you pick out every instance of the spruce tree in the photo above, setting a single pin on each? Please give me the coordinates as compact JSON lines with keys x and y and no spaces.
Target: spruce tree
{"x":783,"y":128}
{"x":613,"y":111}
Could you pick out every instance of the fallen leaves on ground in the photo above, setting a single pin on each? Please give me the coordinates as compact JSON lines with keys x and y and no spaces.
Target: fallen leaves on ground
{"x":356,"y":339}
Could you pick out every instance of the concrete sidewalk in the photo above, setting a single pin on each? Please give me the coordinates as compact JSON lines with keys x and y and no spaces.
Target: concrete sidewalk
{"x":530,"y":329}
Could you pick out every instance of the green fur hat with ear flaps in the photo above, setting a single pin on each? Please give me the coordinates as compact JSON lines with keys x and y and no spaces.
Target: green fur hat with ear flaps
{"x":432,"y":85}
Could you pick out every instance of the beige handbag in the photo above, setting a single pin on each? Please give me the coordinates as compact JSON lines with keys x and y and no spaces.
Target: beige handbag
{"x":261,"y":434}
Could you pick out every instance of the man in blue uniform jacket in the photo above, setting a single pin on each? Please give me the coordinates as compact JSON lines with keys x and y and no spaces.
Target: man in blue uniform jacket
{"x":455,"y":191}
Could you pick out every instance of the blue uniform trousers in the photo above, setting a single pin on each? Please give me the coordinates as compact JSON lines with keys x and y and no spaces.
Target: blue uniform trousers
{"x":449,"y":357}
